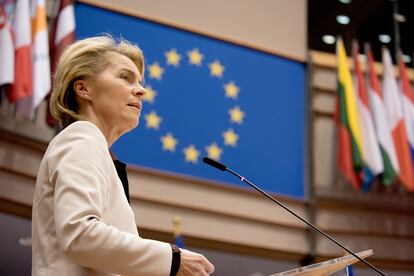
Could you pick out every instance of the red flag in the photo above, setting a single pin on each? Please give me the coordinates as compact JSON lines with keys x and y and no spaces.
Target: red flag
{"x":407,"y":98}
{"x":63,"y":34}
{"x":23,"y":76}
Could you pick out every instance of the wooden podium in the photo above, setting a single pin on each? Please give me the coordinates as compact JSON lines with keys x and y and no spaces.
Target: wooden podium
{"x":326,"y":267}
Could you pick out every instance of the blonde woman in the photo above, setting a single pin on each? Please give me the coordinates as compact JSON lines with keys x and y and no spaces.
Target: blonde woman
{"x":82,"y":223}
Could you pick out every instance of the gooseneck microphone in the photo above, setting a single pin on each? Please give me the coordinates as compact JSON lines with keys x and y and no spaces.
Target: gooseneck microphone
{"x":222,"y":167}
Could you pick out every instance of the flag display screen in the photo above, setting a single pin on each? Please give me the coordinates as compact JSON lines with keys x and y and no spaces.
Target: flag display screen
{"x":207,"y":97}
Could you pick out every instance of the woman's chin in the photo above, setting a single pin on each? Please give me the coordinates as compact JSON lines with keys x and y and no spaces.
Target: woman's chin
{"x":129,"y":126}
{"x":134,"y":124}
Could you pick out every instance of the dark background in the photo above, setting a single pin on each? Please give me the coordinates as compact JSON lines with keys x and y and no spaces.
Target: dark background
{"x":368,"y":19}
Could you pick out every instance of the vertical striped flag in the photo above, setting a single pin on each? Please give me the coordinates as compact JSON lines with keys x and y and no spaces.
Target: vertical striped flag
{"x":23,"y":79}
{"x":408,"y":105}
{"x":395,"y":117}
{"x":6,"y":49}
{"x":62,"y":35}
{"x":349,"y":133}
{"x":41,"y":62}
{"x":373,"y":164}
{"x":382,"y":127}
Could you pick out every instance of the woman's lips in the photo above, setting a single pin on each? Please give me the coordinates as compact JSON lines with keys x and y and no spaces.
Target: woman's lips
{"x":136,"y":105}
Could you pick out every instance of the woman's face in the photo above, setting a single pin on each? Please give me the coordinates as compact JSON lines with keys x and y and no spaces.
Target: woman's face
{"x":115,"y":96}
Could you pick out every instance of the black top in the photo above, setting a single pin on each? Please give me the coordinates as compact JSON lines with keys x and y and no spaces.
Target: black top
{"x":122,"y":173}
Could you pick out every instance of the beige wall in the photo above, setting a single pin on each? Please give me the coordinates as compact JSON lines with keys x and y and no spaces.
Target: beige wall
{"x":211,"y":212}
{"x":278,"y":26}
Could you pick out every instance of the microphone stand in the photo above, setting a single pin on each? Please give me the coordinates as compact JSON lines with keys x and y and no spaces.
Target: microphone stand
{"x":222,"y":167}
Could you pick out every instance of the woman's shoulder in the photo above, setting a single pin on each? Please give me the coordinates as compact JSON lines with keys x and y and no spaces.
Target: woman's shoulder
{"x":80,"y":135}
{"x":81,"y":131}
{"x":80,"y":145}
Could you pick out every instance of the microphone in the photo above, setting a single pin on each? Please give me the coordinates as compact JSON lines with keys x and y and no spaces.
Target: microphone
{"x":222,"y":167}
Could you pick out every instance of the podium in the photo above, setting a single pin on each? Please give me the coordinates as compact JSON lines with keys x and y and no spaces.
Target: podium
{"x":326,"y":267}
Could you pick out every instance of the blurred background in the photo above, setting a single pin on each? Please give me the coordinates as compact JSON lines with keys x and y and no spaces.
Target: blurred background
{"x":298,"y":96}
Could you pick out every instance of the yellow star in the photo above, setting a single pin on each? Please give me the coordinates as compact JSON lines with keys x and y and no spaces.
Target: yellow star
{"x":191,"y":154}
{"x":236,"y":115}
{"x":149,"y":95}
{"x":216,"y":69}
{"x":195,"y":57}
{"x":230,"y":138}
{"x":169,"y":142}
{"x":232,"y":90}
{"x":213,"y":151}
{"x":153,"y":120}
{"x":155,"y":71}
{"x":173,"y":58}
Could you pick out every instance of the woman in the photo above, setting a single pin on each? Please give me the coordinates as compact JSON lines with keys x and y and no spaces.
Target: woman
{"x":82,"y":223}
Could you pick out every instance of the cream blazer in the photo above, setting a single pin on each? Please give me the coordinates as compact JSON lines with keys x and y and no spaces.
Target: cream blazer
{"x":82,"y":223}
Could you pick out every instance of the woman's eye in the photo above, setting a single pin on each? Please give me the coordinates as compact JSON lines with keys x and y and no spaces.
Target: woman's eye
{"x":125,"y":77}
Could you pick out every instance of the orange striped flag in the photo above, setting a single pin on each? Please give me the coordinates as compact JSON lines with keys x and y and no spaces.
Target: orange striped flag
{"x":395,"y":117}
{"x":41,"y":62}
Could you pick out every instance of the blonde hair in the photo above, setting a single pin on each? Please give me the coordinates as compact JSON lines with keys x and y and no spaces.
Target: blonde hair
{"x":84,"y":59}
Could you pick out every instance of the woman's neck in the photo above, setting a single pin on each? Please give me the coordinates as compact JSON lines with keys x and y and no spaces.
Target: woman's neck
{"x":110,"y":133}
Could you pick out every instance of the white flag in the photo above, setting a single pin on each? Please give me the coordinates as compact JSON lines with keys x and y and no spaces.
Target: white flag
{"x":6,"y":49}
{"x":40,"y":53}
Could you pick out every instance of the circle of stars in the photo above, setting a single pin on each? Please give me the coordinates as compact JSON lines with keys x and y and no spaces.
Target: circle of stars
{"x":153,"y":121}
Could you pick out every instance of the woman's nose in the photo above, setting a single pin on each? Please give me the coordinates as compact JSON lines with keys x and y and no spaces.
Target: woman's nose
{"x":139,"y":91}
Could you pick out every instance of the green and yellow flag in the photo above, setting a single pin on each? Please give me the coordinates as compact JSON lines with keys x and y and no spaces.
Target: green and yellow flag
{"x":349,"y":132}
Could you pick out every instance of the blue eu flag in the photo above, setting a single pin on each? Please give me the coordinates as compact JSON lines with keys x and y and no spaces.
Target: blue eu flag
{"x":208,"y":97}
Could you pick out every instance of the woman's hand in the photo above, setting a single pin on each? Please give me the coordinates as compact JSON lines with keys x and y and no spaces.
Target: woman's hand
{"x":194,"y":264}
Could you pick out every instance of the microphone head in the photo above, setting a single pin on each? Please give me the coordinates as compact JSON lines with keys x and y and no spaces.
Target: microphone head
{"x":214,"y":163}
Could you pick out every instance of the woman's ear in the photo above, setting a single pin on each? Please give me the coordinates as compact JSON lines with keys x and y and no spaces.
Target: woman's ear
{"x":81,"y":89}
